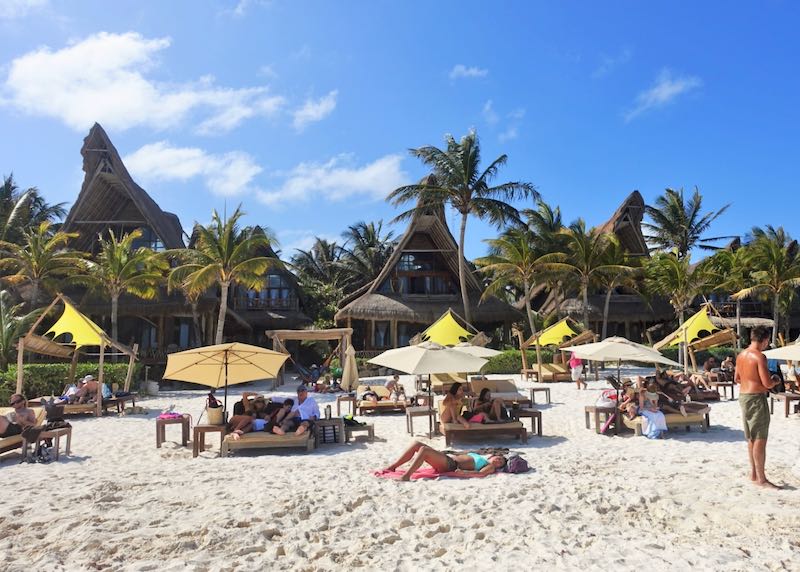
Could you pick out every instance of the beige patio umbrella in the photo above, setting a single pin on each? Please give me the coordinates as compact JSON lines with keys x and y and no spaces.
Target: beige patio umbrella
{"x":350,"y":370}
{"x":477,"y":351}
{"x":223,"y":365}
{"x":789,"y":353}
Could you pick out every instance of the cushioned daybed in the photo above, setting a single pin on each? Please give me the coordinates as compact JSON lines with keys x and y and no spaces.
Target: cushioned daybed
{"x":504,"y":389}
{"x":673,"y":420}
{"x":264,"y":440}
{"x":550,"y":372}
{"x":382,"y":405}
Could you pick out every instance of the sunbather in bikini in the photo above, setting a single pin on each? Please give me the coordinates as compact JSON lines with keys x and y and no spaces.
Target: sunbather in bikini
{"x":487,"y":407}
{"x":466,"y":466}
{"x":453,"y":404}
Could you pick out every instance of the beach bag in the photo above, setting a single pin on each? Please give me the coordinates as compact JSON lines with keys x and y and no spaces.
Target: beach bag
{"x":43,"y":454}
{"x":516,"y":464}
{"x":350,"y":422}
{"x":214,"y":415}
{"x":53,"y":412}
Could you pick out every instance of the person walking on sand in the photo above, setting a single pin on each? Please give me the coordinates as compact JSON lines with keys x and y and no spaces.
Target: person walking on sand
{"x":576,"y":370}
{"x":753,"y":377}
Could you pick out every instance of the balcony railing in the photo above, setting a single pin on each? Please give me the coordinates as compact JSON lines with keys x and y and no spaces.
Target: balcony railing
{"x":243,"y":303}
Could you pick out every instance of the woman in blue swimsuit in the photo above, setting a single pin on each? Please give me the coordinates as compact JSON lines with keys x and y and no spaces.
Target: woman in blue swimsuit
{"x":468,"y":465}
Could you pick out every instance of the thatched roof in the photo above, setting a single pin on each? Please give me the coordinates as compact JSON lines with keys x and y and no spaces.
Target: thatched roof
{"x":623,"y":307}
{"x":626,"y":224}
{"x":109,"y":195}
{"x":260,"y":320}
{"x":428,"y":232}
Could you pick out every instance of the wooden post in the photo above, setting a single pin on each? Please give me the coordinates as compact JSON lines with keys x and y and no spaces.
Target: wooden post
{"x":393,"y":332}
{"x":538,"y":361}
{"x":100,"y":377}
{"x":20,"y":363}
{"x":73,"y":365}
{"x":522,"y":348}
{"x":129,"y":375}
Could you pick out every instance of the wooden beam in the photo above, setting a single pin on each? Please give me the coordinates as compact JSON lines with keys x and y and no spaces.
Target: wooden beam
{"x":130,"y":368}
{"x":20,"y":363}
{"x":73,"y":365}
{"x":100,"y":377}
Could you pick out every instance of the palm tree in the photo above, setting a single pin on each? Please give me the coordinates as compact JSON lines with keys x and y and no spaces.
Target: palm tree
{"x":224,"y":255}
{"x":678,"y":225}
{"x":365,"y":252}
{"x":320,"y":263}
{"x":42,"y":260}
{"x":119,"y":269}
{"x":546,"y":224}
{"x":13,"y":325}
{"x":775,"y":264}
{"x":585,"y":259}
{"x":614,"y":257}
{"x":729,"y":271}
{"x":668,"y":275}
{"x":459,"y":182}
{"x":176,"y":280}
{"x":514,"y":260}
{"x":23,"y":209}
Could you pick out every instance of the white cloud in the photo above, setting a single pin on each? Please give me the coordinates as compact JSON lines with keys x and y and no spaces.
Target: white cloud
{"x":103,"y":78}
{"x":510,"y":133}
{"x":267,"y":71}
{"x":337,"y":180}
{"x":301,"y":239}
{"x":313,"y":111}
{"x":462,"y":71}
{"x":489,"y":114}
{"x":609,"y":63}
{"x":10,"y":9}
{"x":665,"y":89}
{"x":223,"y":174}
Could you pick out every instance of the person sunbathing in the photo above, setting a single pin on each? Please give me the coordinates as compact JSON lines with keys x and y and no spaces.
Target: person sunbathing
{"x":453,"y":405}
{"x":15,"y":422}
{"x":484,"y":407}
{"x":469,"y":465}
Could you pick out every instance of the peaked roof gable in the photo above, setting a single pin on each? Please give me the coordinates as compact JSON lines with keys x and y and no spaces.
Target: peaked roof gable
{"x":108,"y":193}
{"x":626,"y":224}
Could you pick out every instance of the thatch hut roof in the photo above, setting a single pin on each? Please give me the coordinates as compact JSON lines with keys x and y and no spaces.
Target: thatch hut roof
{"x":110,"y":196}
{"x":626,"y":224}
{"x":623,"y":307}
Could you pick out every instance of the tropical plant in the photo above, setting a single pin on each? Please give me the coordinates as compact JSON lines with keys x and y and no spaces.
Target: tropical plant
{"x":775,"y":264}
{"x":679,"y":226}
{"x":459,"y":182}
{"x":546,"y":224}
{"x":176,"y":280}
{"x":365,"y":252}
{"x":225,"y":254}
{"x":119,"y":268}
{"x":42,"y":260}
{"x":615,"y":257}
{"x":320,"y":263}
{"x":585,"y":259}
{"x":677,"y":279}
{"x":13,"y":325}
{"x":729,"y":272}
{"x":22,"y":209}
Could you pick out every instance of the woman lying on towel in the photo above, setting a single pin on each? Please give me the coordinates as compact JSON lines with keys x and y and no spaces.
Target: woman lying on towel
{"x":470,"y":465}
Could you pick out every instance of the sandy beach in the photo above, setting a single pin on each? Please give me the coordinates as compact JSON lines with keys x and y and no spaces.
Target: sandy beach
{"x":593,"y":502}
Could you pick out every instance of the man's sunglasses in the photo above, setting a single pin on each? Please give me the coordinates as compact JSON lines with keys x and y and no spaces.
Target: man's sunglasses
{"x":17,"y":401}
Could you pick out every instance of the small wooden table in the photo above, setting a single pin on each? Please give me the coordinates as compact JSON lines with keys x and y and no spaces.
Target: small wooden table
{"x":56,"y":435}
{"x":369,"y":429}
{"x":606,"y":412}
{"x":338,"y":427}
{"x":787,"y":399}
{"x":535,"y":416}
{"x":420,"y":411}
{"x":161,"y":425}
{"x":545,"y":390}
{"x":423,"y":399}
{"x":199,"y":440}
{"x":724,"y":385}
{"x":351,"y":399}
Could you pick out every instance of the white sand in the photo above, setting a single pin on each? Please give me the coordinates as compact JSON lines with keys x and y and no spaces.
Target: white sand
{"x":593,"y":502}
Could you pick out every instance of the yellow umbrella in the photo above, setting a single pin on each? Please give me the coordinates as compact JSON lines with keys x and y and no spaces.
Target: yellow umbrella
{"x":223,"y":365}
{"x":350,"y":370}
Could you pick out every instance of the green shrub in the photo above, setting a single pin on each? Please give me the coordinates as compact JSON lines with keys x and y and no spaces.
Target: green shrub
{"x":50,"y":378}
{"x":510,"y":361}
{"x":701,"y":356}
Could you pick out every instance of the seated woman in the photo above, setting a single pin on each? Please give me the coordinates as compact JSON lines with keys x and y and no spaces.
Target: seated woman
{"x":15,"y":422}
{"x":279,"y":416}
{"x":648,"y":408}
{"x":466,"y":466}
{"x":254,"y":415}
{"x":453,"y":405}
{"x":484,"y":407}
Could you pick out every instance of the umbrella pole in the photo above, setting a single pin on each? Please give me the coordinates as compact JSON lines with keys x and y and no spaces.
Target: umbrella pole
{"x":225,"y":400}
{"x":430,"y":408}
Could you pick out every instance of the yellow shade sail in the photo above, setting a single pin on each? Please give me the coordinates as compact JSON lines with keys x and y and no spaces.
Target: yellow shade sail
{"x":556,"y":333}
{"x":446,"y":331}
{"x":690,"y":331}
{"x":84,"y":332}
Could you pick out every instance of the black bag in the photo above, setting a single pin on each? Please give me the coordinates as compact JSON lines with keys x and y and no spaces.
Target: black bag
{"x":54,"y":412}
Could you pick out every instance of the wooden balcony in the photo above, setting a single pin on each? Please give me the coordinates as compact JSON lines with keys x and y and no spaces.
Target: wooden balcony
{"x":244,"y":303}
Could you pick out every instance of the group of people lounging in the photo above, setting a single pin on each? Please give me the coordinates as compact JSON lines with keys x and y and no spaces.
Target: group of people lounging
{"x":257,"y":413}
{"x":84,"y":391}
{"x":396,"y":392}
{"x":481,"y":409}
{"x":16,"y":421}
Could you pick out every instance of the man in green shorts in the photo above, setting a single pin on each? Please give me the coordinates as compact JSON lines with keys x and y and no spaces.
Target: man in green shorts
{"x":753,"y":376}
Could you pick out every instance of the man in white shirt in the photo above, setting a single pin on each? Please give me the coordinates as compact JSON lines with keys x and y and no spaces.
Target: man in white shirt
{"x":303,"y":414}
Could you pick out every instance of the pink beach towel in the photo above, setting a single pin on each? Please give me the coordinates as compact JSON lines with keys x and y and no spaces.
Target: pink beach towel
{"x":429,"y":473}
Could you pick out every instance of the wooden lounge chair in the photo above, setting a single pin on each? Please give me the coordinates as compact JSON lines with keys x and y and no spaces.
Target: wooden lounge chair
{"x":441,"y":382}
{"x":551,"y":372}
{"x":483,"y":430}
{"x":504,"y":389}
{"x":673,"y":420}
{"x":264,"y":440}
{"x":383,"y":405}
{"x":17,"y":441}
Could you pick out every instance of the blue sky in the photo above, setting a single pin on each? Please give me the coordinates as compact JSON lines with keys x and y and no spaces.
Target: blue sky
{"x":304,"y":111}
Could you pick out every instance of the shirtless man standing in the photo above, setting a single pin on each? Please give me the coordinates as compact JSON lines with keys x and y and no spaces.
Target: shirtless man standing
{"x":753,"y":376}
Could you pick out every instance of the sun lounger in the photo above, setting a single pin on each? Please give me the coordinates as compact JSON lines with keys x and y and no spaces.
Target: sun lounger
{"x":383,"y":405}
{"x":674,"y":420}
{"x":441,"y":382}
{"x":483,"y":430}
{"x":504,"y":389}
{"x":264,"y":440}
{"x":17,"y":441}
{"x":551,"y":372}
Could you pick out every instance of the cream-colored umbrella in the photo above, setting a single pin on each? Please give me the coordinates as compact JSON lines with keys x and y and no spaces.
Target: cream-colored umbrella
{"x":350,"y":370}
{"x":619,"y":349}
{"x":477,"y":351}
{"x":789,"y":353}
{"x":223,"y":365}
{"x":427,"y":358}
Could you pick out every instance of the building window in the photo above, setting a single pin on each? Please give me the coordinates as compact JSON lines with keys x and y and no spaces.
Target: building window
{"x":381,"y":337}
{"x":149,"y":239}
